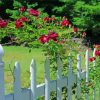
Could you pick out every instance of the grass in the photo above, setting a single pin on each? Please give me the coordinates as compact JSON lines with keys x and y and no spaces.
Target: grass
{"x":21,"y":54}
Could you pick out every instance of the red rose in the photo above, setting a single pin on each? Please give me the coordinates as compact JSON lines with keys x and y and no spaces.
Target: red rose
{"x":46,"y":19}
{"x":75,"y":29}
{"x":43,"y":39}
{"x":62,"y":42}
{"x":18,"y":23}
{"x":65,"y":23}
{"x":91,"y":59}
{"x":22,"y":9}
{"x":3,"y":23}
{"x":24,"y":19}
{"x":33,"y":12}
{"x":52,"y":35}
{"x":97,"y":53}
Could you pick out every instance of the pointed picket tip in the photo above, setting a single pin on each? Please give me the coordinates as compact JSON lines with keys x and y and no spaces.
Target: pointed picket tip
{"x":47,"y":62}
{"x":78,"y":56}
{"x":1,"y":52}
{"x":17,"y":67}
{"x":94,"y":62}
{"x":87,"y":54}
{"x":17,"y":64}
{"x":33,"y":63}
{"x":59,"y":62}
{"x":94,"y":52}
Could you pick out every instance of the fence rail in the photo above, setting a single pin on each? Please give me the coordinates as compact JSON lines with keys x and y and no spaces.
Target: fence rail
{"x":48,"y":86}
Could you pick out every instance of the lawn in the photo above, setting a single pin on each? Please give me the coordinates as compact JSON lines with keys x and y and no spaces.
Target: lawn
{"x":22,"y":54}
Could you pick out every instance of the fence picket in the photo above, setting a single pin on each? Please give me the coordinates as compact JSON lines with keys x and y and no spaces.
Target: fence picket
{"x":87,"y":65}
{"x":59,"y":76}
{"x":33,"y":79}
{"x":94,"y":62}
{"x":17,"y":83}
{"x":78,"y":76}
{"x":2,"y":96}
{"x":70,"y":80}
{"x":47,"y":79}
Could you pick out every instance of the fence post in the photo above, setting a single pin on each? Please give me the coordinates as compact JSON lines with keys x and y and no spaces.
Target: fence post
{"x":47,"y":79}
{"x":87,"y":65}
{"x":17,"y":82}
{"x":94,"y":62}
{"x":59,"y":76}
{"x":33,"y":79}
{"x":70,"y":80}
{"x":2,"y":97}
{"x":78,"y":76}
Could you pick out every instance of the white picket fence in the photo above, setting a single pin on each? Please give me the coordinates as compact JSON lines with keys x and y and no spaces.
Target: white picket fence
{"x":45,"y":89}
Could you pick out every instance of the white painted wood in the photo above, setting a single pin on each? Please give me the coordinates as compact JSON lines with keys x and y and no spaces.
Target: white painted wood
{"x":25,"y":95}
{"x":33,"y":79}
{"x":2,"y":97}
{"x":87,"y":65}
{"x":59,"y":77}
{"x":87,"y":69}
{"x":78,"y":76}
{"x":69,"y":80}
{"x":17,"y":83}
{"x":47,"y":79}
{"x":94,"y":62}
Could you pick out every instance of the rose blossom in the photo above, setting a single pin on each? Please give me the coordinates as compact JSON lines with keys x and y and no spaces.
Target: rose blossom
{"x":3,"y":23}
{"x":22,"y":9}
{"x":43,"y":39}
{"x":52,"y":36}
{"x":91,"y":59}
{"x":97,"y":53}
{"x":18,"y":23}
{"x":65,"y":23}
{"x":33,"y":12}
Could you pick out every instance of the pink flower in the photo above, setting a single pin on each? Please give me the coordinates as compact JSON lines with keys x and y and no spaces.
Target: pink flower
{"x":52,"y":36}
{"x":18,"y":23}
{"x":22,"y":9}
{"x":3,"y":23}
{"x":43,"y":39}
{"x":91,"y":59}
{"x":33,"y":12}
{"x":65,"y":23}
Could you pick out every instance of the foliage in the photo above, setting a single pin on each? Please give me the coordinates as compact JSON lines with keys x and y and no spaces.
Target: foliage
{"x":84,"y":14}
